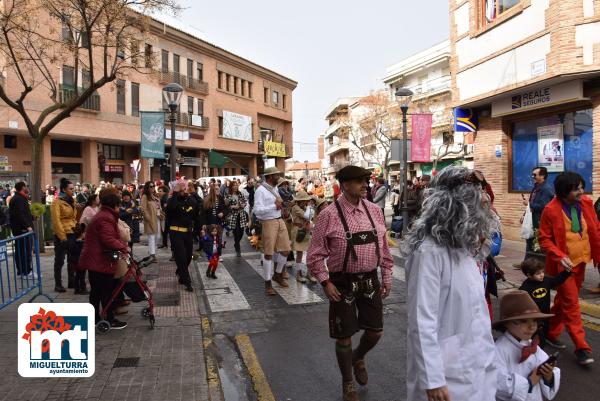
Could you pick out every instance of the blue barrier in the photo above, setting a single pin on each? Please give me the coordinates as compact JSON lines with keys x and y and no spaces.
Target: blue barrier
{"x":18,"y":275}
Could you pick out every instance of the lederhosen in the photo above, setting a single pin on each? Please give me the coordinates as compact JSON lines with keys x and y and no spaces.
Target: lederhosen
{"x":359,"y":291}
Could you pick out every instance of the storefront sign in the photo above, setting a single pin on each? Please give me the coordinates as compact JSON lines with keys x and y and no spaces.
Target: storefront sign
{"x":465,"y":120}
{"x":192,"y":161}
{"x":179,"y":135}
{"x":551,"y":148}
{"x":153,"y":134}
{"x":6,"y":167}
{"x":275,"y":149}
{"x":421,"y":138}
{"x":3,"y":160}
{"x":110,"y":168}
{"x":237,"y":126}
{"x":538,"y":97}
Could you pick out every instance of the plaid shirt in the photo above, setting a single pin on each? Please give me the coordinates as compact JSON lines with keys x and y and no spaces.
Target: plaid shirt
{"x":329,"y":242}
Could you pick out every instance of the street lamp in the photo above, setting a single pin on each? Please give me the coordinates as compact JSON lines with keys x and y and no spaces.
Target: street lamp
{"x":306,"y":166}
{"x":403,"y":96}
{"x":172,"y":96}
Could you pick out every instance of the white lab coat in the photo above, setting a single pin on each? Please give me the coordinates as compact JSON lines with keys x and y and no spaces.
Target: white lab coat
{"x":449,"y":330}
{"x":512,"y":375}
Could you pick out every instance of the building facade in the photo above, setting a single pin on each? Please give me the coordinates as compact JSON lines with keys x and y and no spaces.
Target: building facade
{"x":338,"y":148}
{"x":101,"y":139}
{"x":530,"y":71}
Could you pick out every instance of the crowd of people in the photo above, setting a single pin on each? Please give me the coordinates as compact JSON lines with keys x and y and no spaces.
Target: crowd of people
{"x":334,"y":232}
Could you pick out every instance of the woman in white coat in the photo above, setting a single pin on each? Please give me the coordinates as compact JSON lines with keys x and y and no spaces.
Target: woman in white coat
{"x":450,"y":346}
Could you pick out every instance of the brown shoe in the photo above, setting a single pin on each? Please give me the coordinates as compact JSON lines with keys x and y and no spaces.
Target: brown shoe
{"x":360,"y":372}
{"x":121,"y":310}
{"x":350,"y":393}
{"x":278,"y":278}
{"x":269,"y":289}
{"x":285,"y":274}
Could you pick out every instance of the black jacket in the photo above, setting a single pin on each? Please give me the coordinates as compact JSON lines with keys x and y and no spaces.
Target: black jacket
{"x":19,"y":214}
{"x":540,"y":290}
{"x":182,"y":212}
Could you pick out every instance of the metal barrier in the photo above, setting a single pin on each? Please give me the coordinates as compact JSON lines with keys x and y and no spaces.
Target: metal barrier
{"x":20,"y":271}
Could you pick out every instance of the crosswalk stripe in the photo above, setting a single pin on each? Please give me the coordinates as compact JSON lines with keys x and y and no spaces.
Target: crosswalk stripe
{"x":222,"y":293}
{"x":295,"y":294}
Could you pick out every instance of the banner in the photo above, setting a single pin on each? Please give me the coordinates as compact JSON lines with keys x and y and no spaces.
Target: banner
{"x":215,"y":159}
{"x":153,"y":134}
{"x":551,"y":148}
{"x":237,"y":126}
{"x":421,"y":138}
{"x":275,"y":149}
{"x":465,"y":120}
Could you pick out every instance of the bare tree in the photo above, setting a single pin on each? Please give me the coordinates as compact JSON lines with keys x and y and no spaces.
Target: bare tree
{"x":102,"y":37}
{"x":440,"y":154}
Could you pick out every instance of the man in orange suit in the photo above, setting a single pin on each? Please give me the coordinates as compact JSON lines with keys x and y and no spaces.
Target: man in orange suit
{"x":570,"y":236}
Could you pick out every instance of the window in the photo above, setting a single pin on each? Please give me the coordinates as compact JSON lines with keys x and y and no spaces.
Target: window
{"x":86,"y":79}
{"x":275,"y":97}
{"x":250,"y":90}
{"x":10,"y":142}
{"x":120,"y":96}
{"x":112,"y":152}
{"x":66,"y":32}
{"x":227,"y":84}
{"x":243,"y":87}
{"x":176,"y":63}
{"x":200,"y":72}
{"x":492,"y":9}
{"x":200,"y":107}
{"x":235,"y":84}
{"x":283,"y":101}
{"x":60,"y":148}
{"x":266,"y":95}
{"x":220,"y":80}
{"x":190,"y":68}
{"x":220,"y":126}
{"x":190,"y":106}
{"x":135,"y":99}
{"x":148,"y":55}
{"x":85,"y":40}
{"x":135,"y":52}
{"x":68,"y":75}
{"x":165,"y":61}
{"x":225,"y":171}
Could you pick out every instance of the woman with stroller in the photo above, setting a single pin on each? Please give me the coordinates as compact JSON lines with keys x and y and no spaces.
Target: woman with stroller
{"x":102,"y":240}
{"x":237,"y":219}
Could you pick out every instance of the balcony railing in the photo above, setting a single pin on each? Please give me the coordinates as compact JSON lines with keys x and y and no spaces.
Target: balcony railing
{"x":192,"y":120}
{"x":66,"y":94}
{"x":189,"y":83}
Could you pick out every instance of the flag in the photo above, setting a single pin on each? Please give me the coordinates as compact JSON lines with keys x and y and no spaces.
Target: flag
{"x":421,"y":138}
{"x":153,"y":134}
{"x":215,"y":159}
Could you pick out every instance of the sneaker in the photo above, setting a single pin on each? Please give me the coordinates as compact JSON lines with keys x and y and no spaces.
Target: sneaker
{"x":117,"y":325}
{"x":555,"y":343}
{"x":360,"y":372}
{"x":584,"y":357}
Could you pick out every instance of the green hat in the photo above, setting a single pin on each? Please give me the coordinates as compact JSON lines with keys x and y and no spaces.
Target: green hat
{"x":271,"y":171}
{"x":349,"y":173}
{"x":302,"y":196}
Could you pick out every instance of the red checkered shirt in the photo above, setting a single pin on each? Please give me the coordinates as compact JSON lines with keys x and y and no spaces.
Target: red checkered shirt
{"x":328,"y":243}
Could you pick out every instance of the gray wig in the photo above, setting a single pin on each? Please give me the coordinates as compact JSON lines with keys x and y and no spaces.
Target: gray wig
{"x":455,"y":214}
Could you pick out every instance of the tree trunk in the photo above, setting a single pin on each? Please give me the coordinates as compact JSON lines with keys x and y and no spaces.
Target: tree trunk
{"x":35,"y":186}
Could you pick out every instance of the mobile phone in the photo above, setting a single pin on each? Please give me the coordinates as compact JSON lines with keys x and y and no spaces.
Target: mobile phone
{"x":550,"y":361}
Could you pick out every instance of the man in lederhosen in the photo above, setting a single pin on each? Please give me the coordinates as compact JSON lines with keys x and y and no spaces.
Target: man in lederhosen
{"x":350,"y":235}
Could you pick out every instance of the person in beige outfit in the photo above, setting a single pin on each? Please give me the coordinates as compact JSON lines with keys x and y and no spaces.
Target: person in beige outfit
{"x":152,"y":214}
{"x":302,"y":215}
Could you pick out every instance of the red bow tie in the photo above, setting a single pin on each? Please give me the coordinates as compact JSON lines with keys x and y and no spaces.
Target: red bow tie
{"x":529,"y":350}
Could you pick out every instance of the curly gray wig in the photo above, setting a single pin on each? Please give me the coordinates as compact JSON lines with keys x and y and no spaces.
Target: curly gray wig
{"x":455,"y":214}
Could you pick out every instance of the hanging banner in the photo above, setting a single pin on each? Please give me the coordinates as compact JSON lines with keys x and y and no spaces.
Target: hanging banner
{"x":153,"y":134}
{"x":275,"y":149}
{"x":421,"y":138}
{"x":551,"y":148}
{"x":237,"y":126}
{"x":465,"y":120}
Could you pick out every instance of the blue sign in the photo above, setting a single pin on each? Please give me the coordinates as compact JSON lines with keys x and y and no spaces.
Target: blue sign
{"x":465,"y":120}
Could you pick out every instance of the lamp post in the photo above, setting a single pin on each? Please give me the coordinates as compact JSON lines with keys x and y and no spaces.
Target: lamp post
{"x":403,"y":96}
{"x":172,"y":96}
{"x":306,"y":167}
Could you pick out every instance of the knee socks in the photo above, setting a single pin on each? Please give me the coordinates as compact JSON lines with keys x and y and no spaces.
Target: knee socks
{"x":367,"y":342}
{"x":344,"y":358}
{"x":268,"y":269}
{"x":281,"y":261}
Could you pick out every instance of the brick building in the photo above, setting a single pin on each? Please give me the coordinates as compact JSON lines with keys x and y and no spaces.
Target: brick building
{"x":102,"y":138}
{"x":530,"y":71}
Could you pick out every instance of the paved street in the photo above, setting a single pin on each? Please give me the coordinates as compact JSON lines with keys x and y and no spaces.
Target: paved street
{"x":250,"y":348}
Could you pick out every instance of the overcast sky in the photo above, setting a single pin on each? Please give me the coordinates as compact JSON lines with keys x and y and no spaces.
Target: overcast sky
{"x":332,"y":48}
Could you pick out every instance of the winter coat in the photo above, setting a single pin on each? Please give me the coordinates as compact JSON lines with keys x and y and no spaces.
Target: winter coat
{"x":150,"y":215}
{"x":133,"y":223}
{"x":539,"y":198}
{"x":235,"y":215}
{"x":101,"y":238}
{"x":379,"y":197}
{"x":211,"y":215}
{"x":88,"y":214}
{"x":64,"y":217}
{"x":19,"y":214}
{"x":208,"y":242}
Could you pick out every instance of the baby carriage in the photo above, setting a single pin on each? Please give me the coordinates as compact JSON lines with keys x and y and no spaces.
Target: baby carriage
{"x":137,"y":290}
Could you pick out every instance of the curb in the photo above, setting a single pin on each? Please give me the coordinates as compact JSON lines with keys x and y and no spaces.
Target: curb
{"x":215,"y":391}
{"x":259,"y":380}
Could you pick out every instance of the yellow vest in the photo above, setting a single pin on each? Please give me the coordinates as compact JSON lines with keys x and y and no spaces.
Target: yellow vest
{"x":578,"y":245}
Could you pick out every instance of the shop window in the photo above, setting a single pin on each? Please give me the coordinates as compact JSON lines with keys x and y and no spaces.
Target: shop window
{"x":112,"y":152}
{"x":560,"y":143}
{"x":61,"y":148}
{"x":10,"y":142}
{"x":492,"y":9}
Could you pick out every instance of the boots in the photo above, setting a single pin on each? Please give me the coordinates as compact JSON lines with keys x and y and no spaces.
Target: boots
{"x":208,"y":271}
{"x":70,"y":275}
{"x":80,"y":283}
{"x":58,"y":287}
{"x":212,"y":273}
{"x":269,"y":288}
{"x":349,"y":392}
{"x":278,"y":278}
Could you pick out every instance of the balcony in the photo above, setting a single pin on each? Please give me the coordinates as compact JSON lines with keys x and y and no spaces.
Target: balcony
{"x":189,"y":83}
{"x":192,"y":121}
{"x":432,"y":87}
{"x":337,"y":166}
{"x":337,"y":147}
{"x":66,"y":94}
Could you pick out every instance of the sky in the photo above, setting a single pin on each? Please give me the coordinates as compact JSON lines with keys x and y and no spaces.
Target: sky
{"x":332,"y":48}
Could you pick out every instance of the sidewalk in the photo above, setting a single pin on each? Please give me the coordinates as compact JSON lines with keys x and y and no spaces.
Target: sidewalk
{"x":166,"y":363}
{"x":514,"y":251}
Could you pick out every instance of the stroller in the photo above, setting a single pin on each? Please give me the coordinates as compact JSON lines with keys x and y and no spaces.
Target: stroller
{"x":137,"y":290}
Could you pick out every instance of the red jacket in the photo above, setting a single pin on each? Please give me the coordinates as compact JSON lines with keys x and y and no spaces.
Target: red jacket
{"x":101,"y":235}
{"x":552,"y":236}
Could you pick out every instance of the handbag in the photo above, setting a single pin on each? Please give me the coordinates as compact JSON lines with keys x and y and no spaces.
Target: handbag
{"x":527,"y":226}
{"x":300,"y":235}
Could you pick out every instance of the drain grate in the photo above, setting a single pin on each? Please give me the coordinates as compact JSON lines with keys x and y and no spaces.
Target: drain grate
{"x":167,"y":300}
{"x":126,"y":362}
